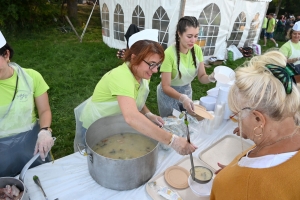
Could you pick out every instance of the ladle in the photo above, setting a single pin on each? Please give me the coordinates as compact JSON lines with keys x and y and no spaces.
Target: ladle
{"x":188,"y":139}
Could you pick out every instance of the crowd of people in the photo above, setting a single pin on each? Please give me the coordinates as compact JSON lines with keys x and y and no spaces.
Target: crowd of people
{"x":264,"y":99}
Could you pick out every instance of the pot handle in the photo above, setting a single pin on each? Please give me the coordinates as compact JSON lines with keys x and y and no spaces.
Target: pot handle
{"x":80,"y":149}
{"x":28,"y":164}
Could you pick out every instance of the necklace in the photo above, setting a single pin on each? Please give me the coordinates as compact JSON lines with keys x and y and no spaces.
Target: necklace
{"x":283,"y":138}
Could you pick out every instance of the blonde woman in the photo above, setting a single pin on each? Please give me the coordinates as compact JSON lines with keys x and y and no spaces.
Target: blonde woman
{"x":265,"y":101}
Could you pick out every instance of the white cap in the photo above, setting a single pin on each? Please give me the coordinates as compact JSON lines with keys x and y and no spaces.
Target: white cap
{"x":2,"y":40}
{"x":147,"y":34}
{"x":296,"y":26}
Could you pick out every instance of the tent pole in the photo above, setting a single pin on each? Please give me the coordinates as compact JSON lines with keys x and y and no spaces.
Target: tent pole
{"x":182,"y":6}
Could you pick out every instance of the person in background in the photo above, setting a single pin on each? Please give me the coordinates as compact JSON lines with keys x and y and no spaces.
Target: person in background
{"x":183,"y":62}
{"x":124,"y":90}
{"x":21,"y":134}
{"x":270,"y":30}
{"x":289,"y":24}
{"x":132,"y":29}
{"x":266,"y":103}
{"x":291,"y":49}
{"x":264,"y":26}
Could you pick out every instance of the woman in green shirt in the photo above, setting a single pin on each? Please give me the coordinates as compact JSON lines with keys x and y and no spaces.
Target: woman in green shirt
{"x":183,"y":62}
{"x":124,"y":90}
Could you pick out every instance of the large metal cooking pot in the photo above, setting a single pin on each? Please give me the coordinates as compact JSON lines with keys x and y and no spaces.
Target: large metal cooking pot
{"x":117,"y":174}
{"x":19,"y":183}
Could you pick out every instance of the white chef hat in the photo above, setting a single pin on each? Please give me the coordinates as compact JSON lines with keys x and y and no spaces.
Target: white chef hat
{"x":147,"y":34}
{"x":296,"y":26}
{"x":2,"y":40}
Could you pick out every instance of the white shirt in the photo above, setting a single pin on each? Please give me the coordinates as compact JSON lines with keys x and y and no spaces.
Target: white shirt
{"x":265,"y":161}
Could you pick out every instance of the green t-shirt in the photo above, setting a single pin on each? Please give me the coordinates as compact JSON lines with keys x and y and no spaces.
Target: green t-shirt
{"x":7,"y":88}
{"x":286,"y":48}
{"x":170,"y":62}
{"x":117,"y":82}
{"x":265,"y":23}
{"x":271,"y":25}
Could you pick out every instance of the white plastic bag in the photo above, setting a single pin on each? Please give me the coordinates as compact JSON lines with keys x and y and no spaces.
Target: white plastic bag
{"x":236,"y":53}
{"x":256,"y":49}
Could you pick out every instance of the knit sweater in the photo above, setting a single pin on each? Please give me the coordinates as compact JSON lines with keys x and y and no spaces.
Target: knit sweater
{"x":281,"y":182}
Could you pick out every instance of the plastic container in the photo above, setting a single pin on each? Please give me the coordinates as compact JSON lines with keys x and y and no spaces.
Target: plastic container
{"x":224,"y":74}
{"x":208,"y":102}
{"x":213,"y":92}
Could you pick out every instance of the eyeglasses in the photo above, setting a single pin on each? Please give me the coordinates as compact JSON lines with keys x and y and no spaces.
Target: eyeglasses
{"x":235,"y":118}
{"x":152,"y":65}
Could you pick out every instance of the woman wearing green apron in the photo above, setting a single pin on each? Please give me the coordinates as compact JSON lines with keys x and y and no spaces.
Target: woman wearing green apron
{"x":124,"y":90}
{"x":183,"y":62}
{"x":21,"y":136}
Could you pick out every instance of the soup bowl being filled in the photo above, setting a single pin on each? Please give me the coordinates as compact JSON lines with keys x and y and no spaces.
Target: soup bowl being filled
{"x":119,"y":157}
{"x":202,"y":174}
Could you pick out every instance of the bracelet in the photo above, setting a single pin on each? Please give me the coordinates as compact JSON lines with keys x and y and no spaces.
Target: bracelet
{"x":171,"y":140}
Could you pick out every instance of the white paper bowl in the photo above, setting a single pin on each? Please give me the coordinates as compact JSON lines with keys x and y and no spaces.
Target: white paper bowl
{"x":224,"y":74}
{"x":208,"y":102}
{"x":200,"y":190}
{"x":213,"y":92}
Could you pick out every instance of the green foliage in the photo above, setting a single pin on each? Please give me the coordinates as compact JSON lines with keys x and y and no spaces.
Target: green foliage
{"x":26,"y":14}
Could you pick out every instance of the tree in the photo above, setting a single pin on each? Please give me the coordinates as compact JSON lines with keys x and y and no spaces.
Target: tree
{"x":277,"y":4}
{"x":72,"y":10}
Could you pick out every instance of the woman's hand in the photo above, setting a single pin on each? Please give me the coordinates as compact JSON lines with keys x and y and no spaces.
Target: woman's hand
{"x":236,"y":131}
{"x":182,"y":146}
{"x":187,"y":103}
{"x":221,"y":167}
{"x":43,"y":144}
{"x":293,"y":60}
{"x":156,"y":119}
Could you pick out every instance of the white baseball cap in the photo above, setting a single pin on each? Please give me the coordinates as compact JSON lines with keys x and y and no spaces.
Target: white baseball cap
{"x":2,"y":40}
{"x":296,"y":26}
{"x":147,"y":34}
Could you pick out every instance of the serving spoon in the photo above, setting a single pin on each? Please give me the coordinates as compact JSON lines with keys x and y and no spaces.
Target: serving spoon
{"x":188,"y":139}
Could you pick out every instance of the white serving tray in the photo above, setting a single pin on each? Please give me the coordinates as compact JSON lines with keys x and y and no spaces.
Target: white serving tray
{"x":224,"y":150}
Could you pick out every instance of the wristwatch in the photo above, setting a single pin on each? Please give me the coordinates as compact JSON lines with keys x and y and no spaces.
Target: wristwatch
{"x":46,"y":128}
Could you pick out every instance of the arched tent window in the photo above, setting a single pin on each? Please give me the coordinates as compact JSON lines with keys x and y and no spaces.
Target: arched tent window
{"x":209,"y":19}
{"x":138,"y":18}
{"x":237,"y":30}
{"x":253,"y":30}
{"x":161,"y":21}
{"x":119,"y":23}
{"x":105,"y":20}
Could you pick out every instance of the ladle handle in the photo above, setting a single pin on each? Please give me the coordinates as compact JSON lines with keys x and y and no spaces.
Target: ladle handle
{"x":189,"y":141}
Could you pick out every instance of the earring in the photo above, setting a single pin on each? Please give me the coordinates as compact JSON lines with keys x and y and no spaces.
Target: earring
{"x":8,"y":61}
{"x":260,"y":134}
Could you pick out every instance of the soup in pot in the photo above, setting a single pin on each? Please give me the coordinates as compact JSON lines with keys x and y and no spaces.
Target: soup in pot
{"x":124,"y":146}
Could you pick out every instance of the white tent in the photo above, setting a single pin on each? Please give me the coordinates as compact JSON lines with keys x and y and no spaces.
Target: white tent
{"x":222,"y":22}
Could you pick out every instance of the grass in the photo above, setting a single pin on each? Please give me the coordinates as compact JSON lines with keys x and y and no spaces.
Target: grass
{"x":72,"y":70}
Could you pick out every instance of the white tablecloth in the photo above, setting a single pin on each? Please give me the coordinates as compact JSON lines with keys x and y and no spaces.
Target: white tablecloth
{"x":68,"y":178}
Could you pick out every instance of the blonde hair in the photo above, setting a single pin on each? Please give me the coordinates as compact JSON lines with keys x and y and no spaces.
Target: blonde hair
{"x":256,"y":87}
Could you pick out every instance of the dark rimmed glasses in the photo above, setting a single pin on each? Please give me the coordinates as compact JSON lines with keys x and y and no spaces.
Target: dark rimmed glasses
{"x":235,"y":117}
{"x":152,"y":65}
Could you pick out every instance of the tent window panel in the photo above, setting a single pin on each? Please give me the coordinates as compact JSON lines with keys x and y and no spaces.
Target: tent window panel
{"x":202,"y":19}
{"x":252,"y":32}
{"x":105,"y":20}
{"x":138,"y":18}
{"x":155,"y":24}
{"x":119,"y":23}
{"x":237,"y":30}
{"x":121,"y":28}
{"x":161,"y":21}
{"x":141,"y":23}
{"x":164,"y":25}
{"x":210,"y":20}
{"x":121,"y":18}
{"x":135,"y":20}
